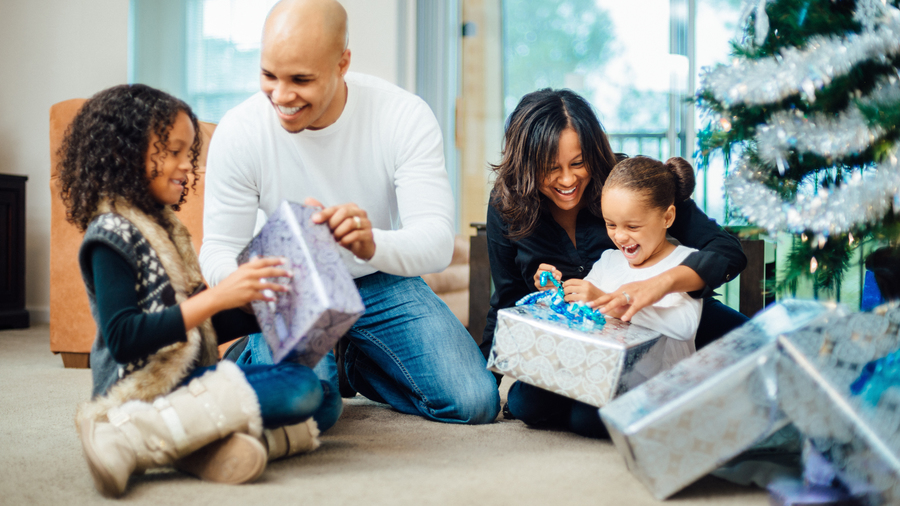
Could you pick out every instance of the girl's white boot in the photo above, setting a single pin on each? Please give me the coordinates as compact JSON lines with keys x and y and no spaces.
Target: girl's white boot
{"x":140,"y":435}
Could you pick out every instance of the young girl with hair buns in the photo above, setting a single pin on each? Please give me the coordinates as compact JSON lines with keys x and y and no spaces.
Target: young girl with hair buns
{"x":548,"y":206}
{"x":638,"y":205}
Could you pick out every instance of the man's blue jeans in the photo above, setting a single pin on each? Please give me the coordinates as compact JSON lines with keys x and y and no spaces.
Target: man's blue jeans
{"x":409,"y":351}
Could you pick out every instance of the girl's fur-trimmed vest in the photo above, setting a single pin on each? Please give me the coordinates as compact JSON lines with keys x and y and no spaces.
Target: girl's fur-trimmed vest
{"x":168,"y":273}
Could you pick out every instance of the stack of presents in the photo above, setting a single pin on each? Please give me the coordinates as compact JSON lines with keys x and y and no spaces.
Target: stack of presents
{"x":807,"y":388}
{"x":802,"y":383}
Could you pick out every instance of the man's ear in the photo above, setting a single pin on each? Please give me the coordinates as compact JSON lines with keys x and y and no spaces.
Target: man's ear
{"x":344,"y":63}
{"x":669,"y":216}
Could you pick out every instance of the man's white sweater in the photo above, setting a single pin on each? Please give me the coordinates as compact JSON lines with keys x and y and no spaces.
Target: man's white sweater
{"x":384,"y":153}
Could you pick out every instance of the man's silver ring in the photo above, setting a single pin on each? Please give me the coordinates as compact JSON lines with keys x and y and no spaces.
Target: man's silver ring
{"x":627,"y":297}
{"x":358,"y":222}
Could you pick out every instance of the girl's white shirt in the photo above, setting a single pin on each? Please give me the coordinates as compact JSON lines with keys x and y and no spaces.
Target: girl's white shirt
{"x":676,"y":315}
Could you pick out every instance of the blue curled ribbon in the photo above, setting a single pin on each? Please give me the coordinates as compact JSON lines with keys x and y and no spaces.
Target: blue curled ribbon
{"x":876,"y":377}
{"x":548,"y":276}
{"x":576,"y":315}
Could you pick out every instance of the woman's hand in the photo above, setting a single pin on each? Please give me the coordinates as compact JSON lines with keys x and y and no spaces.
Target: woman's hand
{"x":580,"y":290}
{"x":630,"y":298}
{"x":246,"y":284}
{"x":557,"y":275}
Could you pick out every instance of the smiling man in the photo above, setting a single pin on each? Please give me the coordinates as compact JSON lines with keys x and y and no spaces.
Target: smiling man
{"x":372,"y":155}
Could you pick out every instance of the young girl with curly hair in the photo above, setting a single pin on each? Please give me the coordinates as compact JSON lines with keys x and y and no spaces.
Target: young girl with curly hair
{"x":159,"y":397}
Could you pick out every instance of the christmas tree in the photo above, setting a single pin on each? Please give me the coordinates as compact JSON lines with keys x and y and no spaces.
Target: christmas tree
{"x":806,"y":117}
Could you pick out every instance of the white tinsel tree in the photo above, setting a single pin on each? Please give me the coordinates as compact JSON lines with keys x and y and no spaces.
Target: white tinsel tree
{"x":810,"y":109}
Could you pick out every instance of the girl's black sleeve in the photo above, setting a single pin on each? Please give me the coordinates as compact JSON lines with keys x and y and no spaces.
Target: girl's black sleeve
{"x":130,"y":333}
{"x":720,"y":258}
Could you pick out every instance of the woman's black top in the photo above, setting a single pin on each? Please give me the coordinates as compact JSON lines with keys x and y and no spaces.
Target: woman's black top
{"x":130,"y":333}
{"x":513,"y":263}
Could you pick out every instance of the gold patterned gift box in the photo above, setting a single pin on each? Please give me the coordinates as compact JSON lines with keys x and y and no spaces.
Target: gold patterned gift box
{"x":859,"y":435}
{"x":535,"y":345}
{"x":708,"y":408}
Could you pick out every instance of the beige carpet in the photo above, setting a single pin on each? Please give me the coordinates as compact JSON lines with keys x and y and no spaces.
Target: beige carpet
{"x":373,"y":456}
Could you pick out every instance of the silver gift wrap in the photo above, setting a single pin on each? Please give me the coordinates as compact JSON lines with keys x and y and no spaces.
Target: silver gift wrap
{"x":816,"y":367}
{"x":589,"y":366}
{"x":323,"y":302}
{"x":708,"y":408}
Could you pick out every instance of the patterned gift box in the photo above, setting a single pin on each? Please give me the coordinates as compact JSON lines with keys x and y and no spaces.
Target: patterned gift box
{"x":861,"y":439}
{"x":533,"y":344}
{"x":788,"y":492}
{"x":323,"y":302}
{"x":708,"y":408}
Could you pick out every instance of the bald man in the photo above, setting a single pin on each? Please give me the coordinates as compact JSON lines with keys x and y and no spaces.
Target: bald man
{"x":372,"y":155}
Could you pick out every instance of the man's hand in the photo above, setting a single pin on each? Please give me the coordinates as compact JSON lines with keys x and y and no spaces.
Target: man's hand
{"x":350,"y":226}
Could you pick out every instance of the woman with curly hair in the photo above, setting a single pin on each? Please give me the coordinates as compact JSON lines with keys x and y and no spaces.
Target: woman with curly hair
{"x":545,"y":209}
{"x":159,"y":398}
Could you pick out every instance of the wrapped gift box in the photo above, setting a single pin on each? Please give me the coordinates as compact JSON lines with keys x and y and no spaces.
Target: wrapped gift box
{"x":323,"y":303}
{"x":708,"y":408}
{"x":533,"y":344}
{"x":788,"y":492}
{"x":859,"y":436}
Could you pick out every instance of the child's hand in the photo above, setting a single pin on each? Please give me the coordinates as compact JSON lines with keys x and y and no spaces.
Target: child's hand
{"x":579,"y":290}
{"x":552,"y":270}
{"x":245,"y":284}
{"x":248,"y":283}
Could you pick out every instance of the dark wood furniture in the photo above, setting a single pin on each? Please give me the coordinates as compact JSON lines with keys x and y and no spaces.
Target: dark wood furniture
{"x":479,"y":282}
{"x":753,"y":294}
{"x":12,"y":252}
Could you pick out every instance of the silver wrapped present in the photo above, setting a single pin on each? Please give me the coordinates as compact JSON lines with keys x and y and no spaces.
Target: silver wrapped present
{"x":533,"y":345}
{"x":305,"y":323}
{"x":707,"y":409}
{"x":859,"y":435}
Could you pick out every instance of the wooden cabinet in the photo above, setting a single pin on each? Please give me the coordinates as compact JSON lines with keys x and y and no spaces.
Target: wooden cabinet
{"x":12,"y":252}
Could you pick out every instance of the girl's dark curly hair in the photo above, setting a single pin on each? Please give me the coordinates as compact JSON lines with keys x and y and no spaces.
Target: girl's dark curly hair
{"x":104,"y":152}
{"x":530,"y":152}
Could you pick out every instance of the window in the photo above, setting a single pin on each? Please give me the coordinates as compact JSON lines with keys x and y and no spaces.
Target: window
{"x":634,"y":61}
{"x":223,"y":53}
{"x":203,"y":51}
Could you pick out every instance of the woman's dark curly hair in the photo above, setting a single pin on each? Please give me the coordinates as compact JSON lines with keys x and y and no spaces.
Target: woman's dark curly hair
{"x":530,"y":152}
{"x":104,"y":152}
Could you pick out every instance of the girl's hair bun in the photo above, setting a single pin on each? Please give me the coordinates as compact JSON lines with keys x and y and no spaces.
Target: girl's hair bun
{"x":685,"y":182}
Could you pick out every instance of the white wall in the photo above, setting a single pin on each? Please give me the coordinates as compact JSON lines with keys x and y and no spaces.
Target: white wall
{"x":54,"y":50}
{"x":382,"y":39}
{"x":50,"y":50}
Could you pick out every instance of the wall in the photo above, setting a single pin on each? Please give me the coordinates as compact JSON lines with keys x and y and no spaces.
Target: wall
{"x":52,"y":50}
{"x":382,"y":39}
